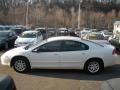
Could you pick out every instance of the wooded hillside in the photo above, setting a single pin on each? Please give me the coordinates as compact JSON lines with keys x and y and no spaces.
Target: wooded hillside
{"x":41,"y":13}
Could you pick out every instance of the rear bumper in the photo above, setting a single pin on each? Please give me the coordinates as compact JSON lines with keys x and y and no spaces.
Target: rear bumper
{"x":111,"y":61}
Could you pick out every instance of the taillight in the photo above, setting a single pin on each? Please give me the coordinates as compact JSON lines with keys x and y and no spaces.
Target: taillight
{"x":116,"y":51}
{"x":113,"y":52}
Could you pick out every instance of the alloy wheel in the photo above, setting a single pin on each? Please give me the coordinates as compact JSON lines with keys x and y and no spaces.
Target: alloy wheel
{"x":20,"y":65}
{"x":93,"y":67}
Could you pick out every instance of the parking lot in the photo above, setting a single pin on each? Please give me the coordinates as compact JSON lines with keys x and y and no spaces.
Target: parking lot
{"x":58,"y":37}
{"x":38,"y":79}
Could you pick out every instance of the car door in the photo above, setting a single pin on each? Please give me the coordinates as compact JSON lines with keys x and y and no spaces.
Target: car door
{"x":46,"y":55}
{"x":73,"y":53}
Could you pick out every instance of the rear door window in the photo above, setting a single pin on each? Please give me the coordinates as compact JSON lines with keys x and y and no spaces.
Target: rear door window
{"x":74,"y":46}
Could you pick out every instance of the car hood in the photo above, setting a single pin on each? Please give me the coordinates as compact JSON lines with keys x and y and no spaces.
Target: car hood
{"x":15,"y":51}
{"x":26,"y":40}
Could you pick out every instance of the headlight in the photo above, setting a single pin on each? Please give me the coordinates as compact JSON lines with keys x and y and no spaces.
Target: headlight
{"x":6,"y":57}
{"x":5,"y":60}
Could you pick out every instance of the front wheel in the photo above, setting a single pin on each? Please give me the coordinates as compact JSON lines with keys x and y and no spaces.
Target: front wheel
{"x":93,"y":67}
{"x":21,"y":65}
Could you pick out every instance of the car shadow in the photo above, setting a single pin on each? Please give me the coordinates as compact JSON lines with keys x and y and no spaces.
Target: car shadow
{"x":108,"y":73}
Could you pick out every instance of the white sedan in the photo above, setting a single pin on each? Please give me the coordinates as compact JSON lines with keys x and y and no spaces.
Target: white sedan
{"x":63,"y":52}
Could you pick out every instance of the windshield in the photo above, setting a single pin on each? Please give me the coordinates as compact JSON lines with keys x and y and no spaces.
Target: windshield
{"x":43,"y":31}
{"x":84,"y":32}
{"x":93,"y":42}
{"x":108,"y":33}
{"x":7,"y":28}
{"x":3,"y":34}
{"x":86,"y":29}
{"x":29,"y":35}
{"x":1,"y":28}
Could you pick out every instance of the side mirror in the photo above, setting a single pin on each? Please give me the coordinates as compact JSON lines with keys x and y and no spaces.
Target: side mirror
{"x":35,"y":50}
{"x":39,"y":50}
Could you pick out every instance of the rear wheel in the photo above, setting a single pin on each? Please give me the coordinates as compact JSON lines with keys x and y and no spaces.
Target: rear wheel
{"x":94,"y":66}
{"x":21,"y":65}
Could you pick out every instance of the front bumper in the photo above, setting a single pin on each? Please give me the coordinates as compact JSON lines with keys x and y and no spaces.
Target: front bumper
{"x":5,"y":60}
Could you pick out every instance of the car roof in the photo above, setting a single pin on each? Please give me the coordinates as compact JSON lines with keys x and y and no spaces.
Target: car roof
{"x":17,"y":28}
{"x":63,"y":38}
{"x":31,"y":31}
{"x":39,"y":28}
{"x":62,"y":29}
{"x":6,"y":31}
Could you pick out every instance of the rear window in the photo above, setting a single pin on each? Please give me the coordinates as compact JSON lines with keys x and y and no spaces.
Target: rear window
{"x":94,"y":43}
{"x":29,"y":35}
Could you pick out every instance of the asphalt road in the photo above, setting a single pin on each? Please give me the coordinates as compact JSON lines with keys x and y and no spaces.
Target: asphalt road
{"x":38,"y":79}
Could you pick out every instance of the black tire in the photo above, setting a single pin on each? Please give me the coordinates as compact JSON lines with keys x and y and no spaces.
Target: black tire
{"x":94,"y":66}
{"x":21,"y":64}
